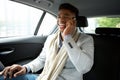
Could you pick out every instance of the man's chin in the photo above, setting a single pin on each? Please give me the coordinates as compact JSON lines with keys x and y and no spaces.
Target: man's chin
{"x":61,"y":30}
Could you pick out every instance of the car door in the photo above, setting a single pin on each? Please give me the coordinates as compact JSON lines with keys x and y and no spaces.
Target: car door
{"x":23,"y":32}
{"x":20,"y":50}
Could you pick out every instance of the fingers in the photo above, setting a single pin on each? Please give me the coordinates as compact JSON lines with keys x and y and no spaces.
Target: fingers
{"x":1,"y":73}
{"x":70,"y":26}
{"x":22,"y":71}
{"x":17,"y":70}
{"x":10,"y":71}
{"x":17,"y":74}
{"x":5,"y":71}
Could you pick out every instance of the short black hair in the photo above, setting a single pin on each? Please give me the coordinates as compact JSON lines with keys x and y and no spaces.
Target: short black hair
{"x":69,"y":7}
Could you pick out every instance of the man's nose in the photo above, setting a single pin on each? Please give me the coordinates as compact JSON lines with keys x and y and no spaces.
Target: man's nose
{"x":62,"y":19}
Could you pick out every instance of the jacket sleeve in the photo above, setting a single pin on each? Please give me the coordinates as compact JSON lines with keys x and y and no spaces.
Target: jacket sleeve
{"x":81,"y":53}
{"x":39,"y":62}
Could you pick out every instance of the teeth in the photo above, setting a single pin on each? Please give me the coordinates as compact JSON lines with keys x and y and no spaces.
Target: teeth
{"x":62,"y":24}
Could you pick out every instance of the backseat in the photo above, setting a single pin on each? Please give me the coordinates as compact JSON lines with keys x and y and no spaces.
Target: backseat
{"x":106,"y":55}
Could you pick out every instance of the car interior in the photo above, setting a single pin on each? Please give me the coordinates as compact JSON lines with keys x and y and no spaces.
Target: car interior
{"x":21,"y":50}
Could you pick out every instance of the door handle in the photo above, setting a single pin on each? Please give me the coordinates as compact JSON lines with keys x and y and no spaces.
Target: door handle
{"x":5,"y":51}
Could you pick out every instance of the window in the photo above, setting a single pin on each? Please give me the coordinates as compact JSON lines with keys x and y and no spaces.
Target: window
{"x":110,"y":22}
{"x":48,"y":24}
{"x":19,"y":20}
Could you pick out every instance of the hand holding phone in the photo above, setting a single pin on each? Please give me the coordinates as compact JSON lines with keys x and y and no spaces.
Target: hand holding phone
{"x":70,"y":27}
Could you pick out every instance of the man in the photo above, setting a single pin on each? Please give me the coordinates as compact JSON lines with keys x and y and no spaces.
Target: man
{"x":66,"y":55}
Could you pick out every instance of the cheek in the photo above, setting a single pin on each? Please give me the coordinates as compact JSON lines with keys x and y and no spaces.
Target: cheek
{"x":59,"y":21}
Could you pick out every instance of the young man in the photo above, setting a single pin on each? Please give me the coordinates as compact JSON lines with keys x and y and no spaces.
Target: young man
{"x":66,"y":55}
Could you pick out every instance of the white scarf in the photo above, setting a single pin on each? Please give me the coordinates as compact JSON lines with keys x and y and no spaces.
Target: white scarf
{"x":55,"y":61}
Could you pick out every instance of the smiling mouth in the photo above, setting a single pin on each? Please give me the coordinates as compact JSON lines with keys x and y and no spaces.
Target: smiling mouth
{"x":62,"y":25}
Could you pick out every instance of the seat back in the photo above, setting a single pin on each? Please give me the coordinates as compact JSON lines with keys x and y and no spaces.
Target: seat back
{"x":82,"y":21}
{"x":106,"y":56}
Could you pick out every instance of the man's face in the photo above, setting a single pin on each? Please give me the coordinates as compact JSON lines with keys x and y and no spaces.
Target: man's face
{"x":64,"y":15}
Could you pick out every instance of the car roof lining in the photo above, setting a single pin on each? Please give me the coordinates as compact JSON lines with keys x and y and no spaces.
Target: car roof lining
{"x":88,"y":8}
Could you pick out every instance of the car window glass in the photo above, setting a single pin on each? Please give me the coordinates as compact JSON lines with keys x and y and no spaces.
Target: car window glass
{"x":109,"y":22}
{"x":48,"y":24}
{"x":17,"y":19}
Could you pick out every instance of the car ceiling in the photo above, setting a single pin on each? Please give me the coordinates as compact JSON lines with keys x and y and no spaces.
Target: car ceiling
{"x":88,"y":8}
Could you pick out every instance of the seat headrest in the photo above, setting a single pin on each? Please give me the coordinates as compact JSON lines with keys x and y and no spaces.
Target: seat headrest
{"x":108,"y":31}
{"x":82,"y":21}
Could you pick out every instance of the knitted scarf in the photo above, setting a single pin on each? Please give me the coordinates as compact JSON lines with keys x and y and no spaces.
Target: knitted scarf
{"x":55,"y":60}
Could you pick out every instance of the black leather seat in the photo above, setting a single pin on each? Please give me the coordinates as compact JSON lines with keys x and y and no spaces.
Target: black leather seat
{"x":107,"y":55}
{"x":82,"y":21}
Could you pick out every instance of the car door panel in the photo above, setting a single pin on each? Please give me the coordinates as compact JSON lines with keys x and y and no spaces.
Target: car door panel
{"x":20,"y":50}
